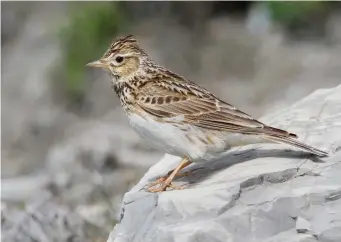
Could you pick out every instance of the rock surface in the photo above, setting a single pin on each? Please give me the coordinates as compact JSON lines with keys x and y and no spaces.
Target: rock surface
{"x":260,"y":192}
{"x":42,"y":219}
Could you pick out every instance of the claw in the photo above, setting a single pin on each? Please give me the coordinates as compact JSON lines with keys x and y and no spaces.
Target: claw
{"x":157,"y":182}
{"x":162,"y":183}
{"x":159,"y":187}
{"x":175,"y":187}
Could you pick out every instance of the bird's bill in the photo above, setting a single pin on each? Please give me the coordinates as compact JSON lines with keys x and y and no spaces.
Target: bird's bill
{"x":98,"y":64}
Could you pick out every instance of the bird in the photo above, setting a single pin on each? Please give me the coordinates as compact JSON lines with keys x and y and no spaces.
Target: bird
{"x":177,"y":116}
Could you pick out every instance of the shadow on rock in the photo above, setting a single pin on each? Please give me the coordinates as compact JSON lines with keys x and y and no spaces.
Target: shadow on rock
{"x":201,"y":171}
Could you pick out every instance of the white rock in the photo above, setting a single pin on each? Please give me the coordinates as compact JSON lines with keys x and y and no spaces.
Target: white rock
{"x":302,"y":225}
{"x":23,"y":188}
{"x":253,"y":193}
{"x":43,"y":219}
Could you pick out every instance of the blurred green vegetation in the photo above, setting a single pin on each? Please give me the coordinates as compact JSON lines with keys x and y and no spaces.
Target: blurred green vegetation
{"x":289,"y":12}
{"x":89,"y":30}
{"x":92,"y":25}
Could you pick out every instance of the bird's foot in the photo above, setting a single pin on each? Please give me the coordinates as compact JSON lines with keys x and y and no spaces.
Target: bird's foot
{"x":162,"y":186}
{"x":161,"y":182}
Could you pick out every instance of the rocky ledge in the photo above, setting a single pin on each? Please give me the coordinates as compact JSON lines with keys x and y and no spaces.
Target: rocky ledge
{"x":263,"y":192}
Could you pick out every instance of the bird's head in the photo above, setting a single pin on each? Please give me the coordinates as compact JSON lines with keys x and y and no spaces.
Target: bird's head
{"x":123,"y":59}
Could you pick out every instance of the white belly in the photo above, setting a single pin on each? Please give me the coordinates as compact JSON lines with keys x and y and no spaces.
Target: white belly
{"x":196,"y":143}
{"x":187,"y":140}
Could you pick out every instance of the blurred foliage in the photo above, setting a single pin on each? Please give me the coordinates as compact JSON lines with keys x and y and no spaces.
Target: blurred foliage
{"x":287,"y":12}
{"x":90,"y":28}
{"x":92,"y":25}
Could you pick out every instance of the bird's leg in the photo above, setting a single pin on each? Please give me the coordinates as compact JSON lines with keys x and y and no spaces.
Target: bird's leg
{"x":166,"y":181}
{"x":187,"y":163}
{"x":163,"y":178}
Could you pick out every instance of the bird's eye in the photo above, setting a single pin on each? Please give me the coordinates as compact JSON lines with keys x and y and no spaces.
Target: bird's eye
{"x":119,"y":59}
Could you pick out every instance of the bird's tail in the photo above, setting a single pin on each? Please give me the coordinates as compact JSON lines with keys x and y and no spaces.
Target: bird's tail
{"x":291,"y":141}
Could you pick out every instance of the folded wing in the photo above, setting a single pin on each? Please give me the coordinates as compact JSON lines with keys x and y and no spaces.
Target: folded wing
{"x":167,"y":99}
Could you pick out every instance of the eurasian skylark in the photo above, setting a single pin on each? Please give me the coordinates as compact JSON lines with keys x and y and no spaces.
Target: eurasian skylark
{"x":177,"y":116}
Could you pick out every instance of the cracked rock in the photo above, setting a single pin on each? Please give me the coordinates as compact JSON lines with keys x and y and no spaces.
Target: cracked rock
{"x":260,"y":192}
{"x":302,"y":225}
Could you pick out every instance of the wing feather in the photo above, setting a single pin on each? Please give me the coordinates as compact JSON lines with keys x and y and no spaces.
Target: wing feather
{"x":168,"y":95}
{"x":198,"y":108}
